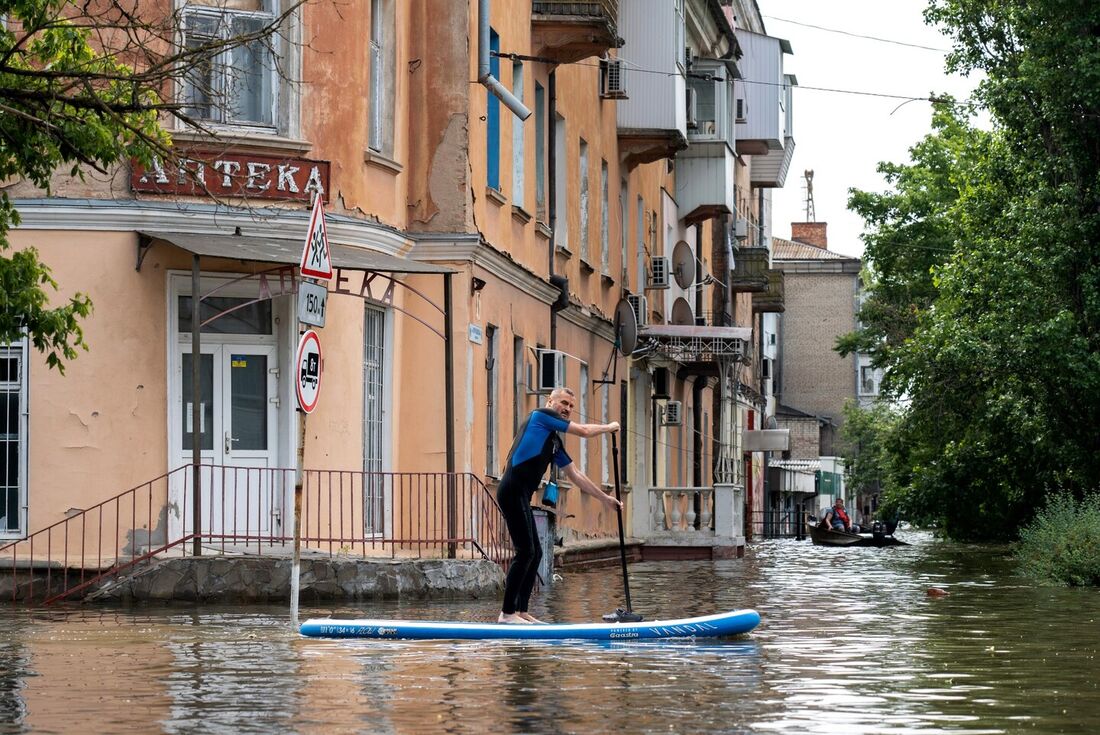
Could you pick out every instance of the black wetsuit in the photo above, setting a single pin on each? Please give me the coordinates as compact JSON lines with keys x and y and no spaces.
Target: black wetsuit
{"x":536,"y":444}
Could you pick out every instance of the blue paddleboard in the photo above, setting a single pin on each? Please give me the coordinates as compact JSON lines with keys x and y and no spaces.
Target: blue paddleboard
{"x":709,"y":626}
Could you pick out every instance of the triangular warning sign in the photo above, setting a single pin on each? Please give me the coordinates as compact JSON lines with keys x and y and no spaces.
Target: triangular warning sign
{"x":316,"y":262}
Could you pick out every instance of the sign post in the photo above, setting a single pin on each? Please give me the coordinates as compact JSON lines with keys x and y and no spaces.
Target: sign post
{"x":308,"y":366}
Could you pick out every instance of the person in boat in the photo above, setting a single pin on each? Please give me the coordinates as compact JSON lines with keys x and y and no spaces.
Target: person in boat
{"x":537,"y":443}
{"x":836,"y":518}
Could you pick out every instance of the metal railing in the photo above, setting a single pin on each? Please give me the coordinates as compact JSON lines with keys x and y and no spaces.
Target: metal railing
{"x":604,"y":9}
{"x":245,"y":510}
{"x":777,"y":524}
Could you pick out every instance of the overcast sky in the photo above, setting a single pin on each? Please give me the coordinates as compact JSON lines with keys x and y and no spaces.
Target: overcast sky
{"x":842,"y":137}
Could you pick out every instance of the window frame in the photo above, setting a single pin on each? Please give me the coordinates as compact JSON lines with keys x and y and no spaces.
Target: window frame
{"x":283,"y":98}
{"x":21,"y":385}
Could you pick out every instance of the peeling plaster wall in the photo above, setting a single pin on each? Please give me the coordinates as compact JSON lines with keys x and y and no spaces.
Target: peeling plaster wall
{"x":438,"y":167}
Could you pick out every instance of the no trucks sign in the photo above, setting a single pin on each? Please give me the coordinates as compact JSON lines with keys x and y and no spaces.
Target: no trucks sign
{"x":307,"y":378}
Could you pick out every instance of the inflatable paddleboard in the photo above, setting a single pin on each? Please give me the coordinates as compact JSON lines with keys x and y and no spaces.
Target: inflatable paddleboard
{"x":709,"y":626}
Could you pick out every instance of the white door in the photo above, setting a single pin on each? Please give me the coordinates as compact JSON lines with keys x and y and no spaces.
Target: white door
{"x":238,"y":408}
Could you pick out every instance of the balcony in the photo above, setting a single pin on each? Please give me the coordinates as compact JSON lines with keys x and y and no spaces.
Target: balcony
{"x":680,"y":522}
{"x":762,"y":110}
{"x":769,"y":171}
{"x":750,"y":271}
{"x":570,"y":31}
{"x":705,"y":181}
{"x":652,"y":122}
{"x":770,"y":301}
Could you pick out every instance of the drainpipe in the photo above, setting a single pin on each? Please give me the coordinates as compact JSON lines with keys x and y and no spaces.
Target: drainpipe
{"x":484,"y":76}
{"x":551,"y":186}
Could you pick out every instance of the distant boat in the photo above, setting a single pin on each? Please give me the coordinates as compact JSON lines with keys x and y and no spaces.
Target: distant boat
{"x":828,"y":537}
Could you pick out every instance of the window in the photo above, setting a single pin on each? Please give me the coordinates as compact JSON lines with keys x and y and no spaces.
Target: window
{"x":561,"y":219}
{"x":623,"y":229}
{"x":492,"y":118}
{"x":540,"y":152}
{"x":624,"y":434}
{"x":605,"y":216}
{"x":639,"y":244}
{"x":713,"y":101}
{"x":518,"y":153}
{"x":382,"y":77}
{"x":374,"y":430}
{"x":584,"y":200}
{"x":519,"y":384}
{"x":605,"y":452}
{"x":582,"y":416}
{"x":13,"y":440}
{"x":236,"y":86}
{"x":491,"y":423}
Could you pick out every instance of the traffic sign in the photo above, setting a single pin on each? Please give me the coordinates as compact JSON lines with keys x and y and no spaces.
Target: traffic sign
{"x":307,"y":377}
{"x":316,"y":262}
{"x":312,"y":301}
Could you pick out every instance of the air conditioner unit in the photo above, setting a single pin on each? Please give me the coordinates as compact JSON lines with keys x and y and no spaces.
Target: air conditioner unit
{"x":641,"y":308}
{"x":674,"y":413}
{"x":551,"y":370}
{"x":741,"y":228}
{"x":611,"y":79}
{"x":659,"y":269}
{"x":692,"y":116}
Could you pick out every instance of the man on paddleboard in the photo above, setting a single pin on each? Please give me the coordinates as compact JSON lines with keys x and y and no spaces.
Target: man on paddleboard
{"x":537,"y":444}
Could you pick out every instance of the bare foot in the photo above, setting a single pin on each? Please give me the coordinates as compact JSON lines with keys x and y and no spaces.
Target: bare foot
{"x":513,"y":618}
{"x":530,"y":618}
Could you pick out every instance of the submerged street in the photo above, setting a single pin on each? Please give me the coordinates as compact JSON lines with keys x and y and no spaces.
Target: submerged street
{"x":850,"y":642}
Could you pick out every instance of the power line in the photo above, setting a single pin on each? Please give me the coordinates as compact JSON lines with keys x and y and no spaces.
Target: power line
{"x":858,"y":35}
{"x":640,"y":70}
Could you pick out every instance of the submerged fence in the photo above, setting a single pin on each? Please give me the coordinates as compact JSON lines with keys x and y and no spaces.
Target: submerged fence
{"x":249,"y":510}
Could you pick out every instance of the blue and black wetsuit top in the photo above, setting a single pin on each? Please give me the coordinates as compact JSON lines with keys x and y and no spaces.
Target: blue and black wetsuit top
{"x":536,"y":444}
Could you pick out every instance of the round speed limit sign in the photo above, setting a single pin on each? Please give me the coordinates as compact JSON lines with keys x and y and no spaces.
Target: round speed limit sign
{"x":307,"y":380}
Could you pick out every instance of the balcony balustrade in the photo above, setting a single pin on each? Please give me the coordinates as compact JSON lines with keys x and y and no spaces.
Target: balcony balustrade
{"x":570,"y":31}
{"x":750,"y":271}
{"x":771,"y":300}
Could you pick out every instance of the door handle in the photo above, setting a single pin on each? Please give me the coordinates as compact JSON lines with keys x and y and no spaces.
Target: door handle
{"x":229,"y":442}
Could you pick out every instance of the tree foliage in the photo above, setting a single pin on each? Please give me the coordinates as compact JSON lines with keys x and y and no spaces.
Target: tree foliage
{"x":82,"y":86}
{"x":986,"y":266}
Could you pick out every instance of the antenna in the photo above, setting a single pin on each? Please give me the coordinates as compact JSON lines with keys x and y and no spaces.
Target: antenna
{"x":683,"y":264}
{"x":808,"y":175}
{"x":682,"y":313}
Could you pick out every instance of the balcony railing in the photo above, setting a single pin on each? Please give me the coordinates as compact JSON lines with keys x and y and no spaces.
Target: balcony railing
{"x":691,"y":516}
{"x":570,"y":31}
{"x":772,"y":299}
{"x":750,"y":271}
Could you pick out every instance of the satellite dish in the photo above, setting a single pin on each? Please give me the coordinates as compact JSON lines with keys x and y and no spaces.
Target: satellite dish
{"x":626,"y":327}
{"x":681,"y":312}
{"x":771,"y":423}
{"x":683,"y":264}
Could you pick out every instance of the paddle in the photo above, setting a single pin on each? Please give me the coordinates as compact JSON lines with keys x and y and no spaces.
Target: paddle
{"x":620,"y":615}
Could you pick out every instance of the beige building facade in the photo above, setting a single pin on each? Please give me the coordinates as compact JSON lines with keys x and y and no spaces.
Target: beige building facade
{"x":452,"y":222}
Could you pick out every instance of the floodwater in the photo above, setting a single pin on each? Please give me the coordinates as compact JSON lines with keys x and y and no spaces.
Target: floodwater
{"x":850,"y":642}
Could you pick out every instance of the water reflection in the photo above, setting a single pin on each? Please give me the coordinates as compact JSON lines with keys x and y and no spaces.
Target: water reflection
{"x":850,"y":643}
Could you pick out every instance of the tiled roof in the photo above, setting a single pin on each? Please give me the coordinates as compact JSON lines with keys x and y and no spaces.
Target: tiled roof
{"x":794,"y":250}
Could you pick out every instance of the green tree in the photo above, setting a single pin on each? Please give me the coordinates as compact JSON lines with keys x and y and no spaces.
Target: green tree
{"x":1000,"y":361}
{"x":82,"y":86}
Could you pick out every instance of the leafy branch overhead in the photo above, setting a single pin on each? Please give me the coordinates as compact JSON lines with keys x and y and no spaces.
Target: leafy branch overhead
{"x":90,"y":86}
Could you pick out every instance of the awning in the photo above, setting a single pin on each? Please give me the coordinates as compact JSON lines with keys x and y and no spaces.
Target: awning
{"x":271,"y":250}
